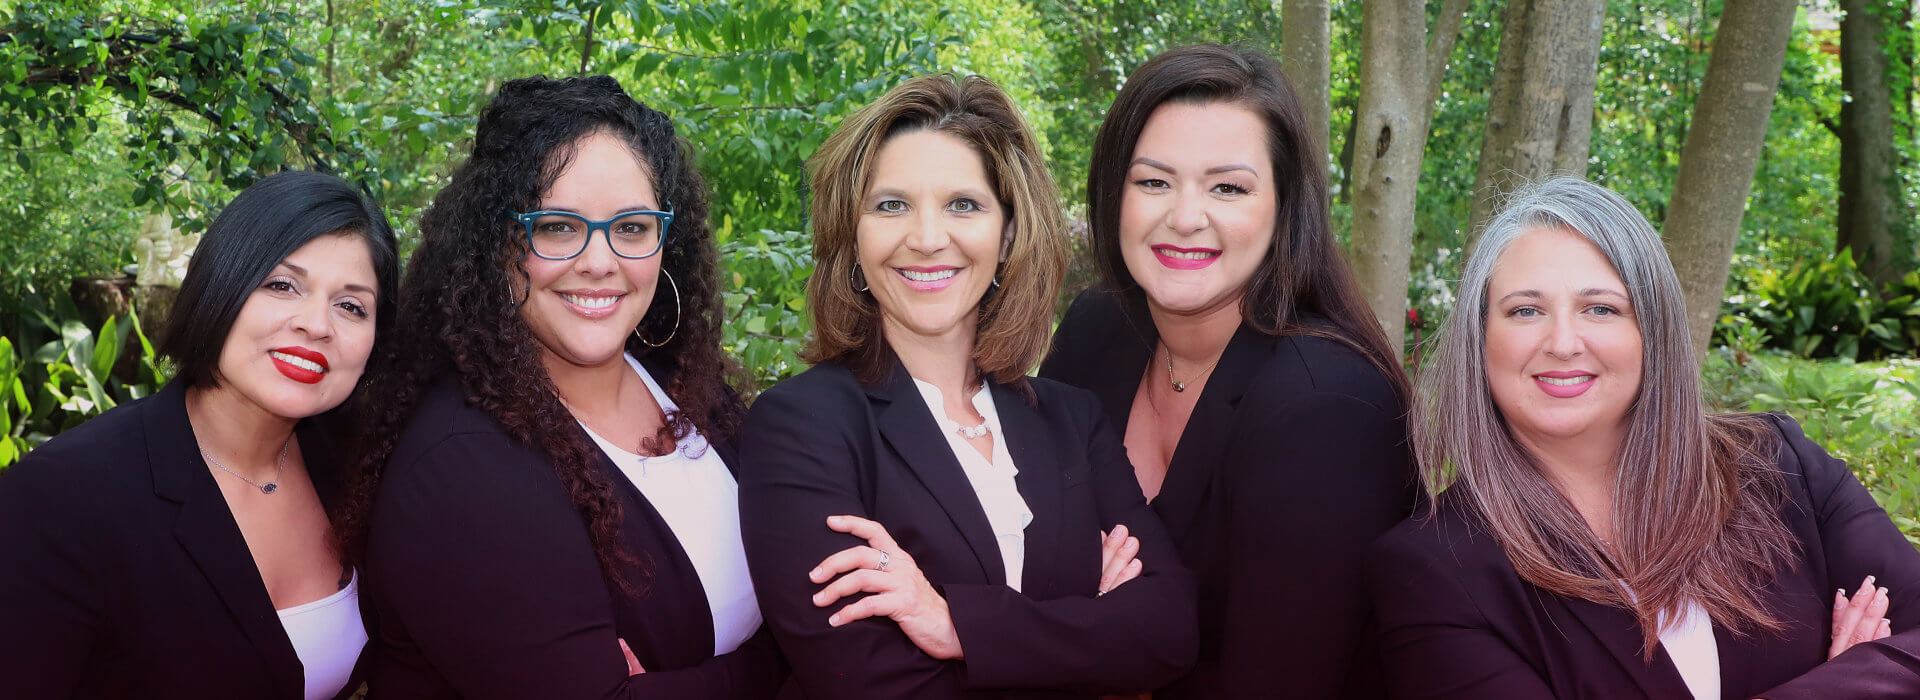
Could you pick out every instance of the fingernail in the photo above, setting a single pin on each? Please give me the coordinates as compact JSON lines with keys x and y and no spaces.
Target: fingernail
{"x":833,"y":621}
{"x":1868,"y":583}
{"x":1883,"y":592}
{"x":814,"y":574}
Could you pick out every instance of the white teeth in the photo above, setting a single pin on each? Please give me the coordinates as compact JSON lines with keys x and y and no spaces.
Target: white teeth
{"x":1569,"y":381}
{"x":930,"y":276}
{"x":590,"y":302}
{"x":301,"y":362}
{"x":1187,"y":255}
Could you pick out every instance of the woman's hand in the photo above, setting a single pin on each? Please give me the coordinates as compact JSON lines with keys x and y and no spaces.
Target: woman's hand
{"x":633,"y":662}
{"x":900,"y":591}
{"x":1117,"y":562}
{"x":1862,"y":619}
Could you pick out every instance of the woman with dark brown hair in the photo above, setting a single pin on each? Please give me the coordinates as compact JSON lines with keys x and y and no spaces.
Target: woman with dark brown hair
{"x":1260,"y":403}
{"x":920,"y":517}
{"x":1599,"y":534}
{"x":550,"y":482}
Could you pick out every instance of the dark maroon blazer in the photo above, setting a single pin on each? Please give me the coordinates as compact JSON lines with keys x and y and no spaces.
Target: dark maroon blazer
{"x":1458,"y":622}
{"x":1295,"y":458}
{"x":124,"y":575}
{"x":487,"y":586}
{"x":823,"y":444}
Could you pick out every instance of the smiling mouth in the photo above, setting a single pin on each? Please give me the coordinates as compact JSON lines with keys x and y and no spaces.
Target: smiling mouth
{"x":297,"y":361}
{"x":933,"y":276}
{"x":594,"y":302}
{"x":1187,"y":254}
{"x":1566,"y":381}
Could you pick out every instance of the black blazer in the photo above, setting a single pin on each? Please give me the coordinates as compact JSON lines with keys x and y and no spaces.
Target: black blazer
{"x":822,"y":444}
{"x":1294,"y":459}
{"x":124,"y":575}
{"x":485,"y":569}
{"x":1457,"y":622}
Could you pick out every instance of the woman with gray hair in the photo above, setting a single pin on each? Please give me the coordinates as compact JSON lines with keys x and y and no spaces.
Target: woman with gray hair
{"x":1600,"y":535}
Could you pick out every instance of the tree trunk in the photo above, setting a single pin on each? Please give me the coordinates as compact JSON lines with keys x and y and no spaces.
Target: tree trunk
{"x":1540,"y":113}
{"x":1400,"y":72}
{"x":1866,"y":142}
{"x":1304,"y":37}
{"x":1729,"y":128}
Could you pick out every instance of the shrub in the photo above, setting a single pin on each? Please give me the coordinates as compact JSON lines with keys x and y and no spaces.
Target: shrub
{"x":1825,"y":308}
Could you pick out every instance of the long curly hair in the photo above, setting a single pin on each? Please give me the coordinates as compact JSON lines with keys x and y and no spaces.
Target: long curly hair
{"x":459,"y":311}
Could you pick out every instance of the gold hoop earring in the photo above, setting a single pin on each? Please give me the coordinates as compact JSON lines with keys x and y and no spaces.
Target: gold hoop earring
{"x":676,"y":315}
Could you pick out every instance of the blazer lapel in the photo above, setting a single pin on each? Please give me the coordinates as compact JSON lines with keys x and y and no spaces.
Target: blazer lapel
{"x":907,"y":425}
{"x":1039,"y":480}
{"x":207,"y":532}
{"x":1619,"y":632}
{"x":1203,"y":444}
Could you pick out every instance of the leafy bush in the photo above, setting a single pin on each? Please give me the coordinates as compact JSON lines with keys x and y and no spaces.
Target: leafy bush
{"x":78,"y":373}
{"x":1824,"y":308}
{"x":1864,"y":413}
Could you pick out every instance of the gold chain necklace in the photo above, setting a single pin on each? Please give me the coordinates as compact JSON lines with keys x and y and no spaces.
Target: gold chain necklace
{"x":1180,"y":385}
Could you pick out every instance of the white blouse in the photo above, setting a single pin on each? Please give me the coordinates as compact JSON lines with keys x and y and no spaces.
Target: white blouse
{"x":327,"y":635}
{"x":992,"y":481}
{"x":698,"y":498}
{"x":1689,"y":642}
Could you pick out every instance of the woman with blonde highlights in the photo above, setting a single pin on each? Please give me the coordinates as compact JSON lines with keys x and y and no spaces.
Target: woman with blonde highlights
{"x":920,"y":517}
{"x":1599,"y":534}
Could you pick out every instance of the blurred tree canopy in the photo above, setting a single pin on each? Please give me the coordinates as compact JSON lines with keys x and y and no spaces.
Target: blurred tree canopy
{"x":113,"y":110}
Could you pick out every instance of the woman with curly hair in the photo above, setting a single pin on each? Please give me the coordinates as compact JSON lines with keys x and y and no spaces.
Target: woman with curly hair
{"x":549,"y":484}
{"x":922,"y":519}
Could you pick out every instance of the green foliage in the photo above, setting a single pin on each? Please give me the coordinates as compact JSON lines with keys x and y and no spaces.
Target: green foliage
{"x":1862,"y":413}
{"x":1824,"y":307}
{"x":76,"y":374}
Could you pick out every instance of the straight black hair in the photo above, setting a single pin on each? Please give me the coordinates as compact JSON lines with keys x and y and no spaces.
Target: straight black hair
{"x":269,"y":221}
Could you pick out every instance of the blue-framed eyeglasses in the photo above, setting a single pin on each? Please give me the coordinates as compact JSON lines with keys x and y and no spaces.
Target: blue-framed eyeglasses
{"x":562,"y":235}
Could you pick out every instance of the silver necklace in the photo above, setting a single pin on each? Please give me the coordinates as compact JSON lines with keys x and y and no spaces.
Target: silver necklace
{"x":279,"y":465}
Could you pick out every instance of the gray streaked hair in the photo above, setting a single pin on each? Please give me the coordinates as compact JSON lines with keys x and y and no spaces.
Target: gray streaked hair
{"x":1695,"y":496}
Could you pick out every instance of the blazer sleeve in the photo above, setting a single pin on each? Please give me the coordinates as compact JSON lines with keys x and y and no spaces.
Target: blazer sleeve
{"x":487,"y":569}
{"x":800,"y":464}
{"x":1435,"y":642}
{"x":1858,"y":539}
{"x":1313,"y":480}
{"x":52,"y":571}
{"x":1141,"y":635}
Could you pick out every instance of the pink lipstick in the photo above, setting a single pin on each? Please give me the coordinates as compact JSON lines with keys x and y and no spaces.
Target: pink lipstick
{"x":1180,"y":258}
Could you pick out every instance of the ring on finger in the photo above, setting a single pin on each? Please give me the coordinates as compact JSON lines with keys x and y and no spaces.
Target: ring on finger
{"x":885,"y":558}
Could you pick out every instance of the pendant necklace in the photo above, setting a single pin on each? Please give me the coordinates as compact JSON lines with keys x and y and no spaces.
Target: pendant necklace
{"x":1180,"y":385}
{"x":279,"y":465}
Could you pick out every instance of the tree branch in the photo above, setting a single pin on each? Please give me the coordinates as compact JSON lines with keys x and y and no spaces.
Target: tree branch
{"x":1446,"y":30}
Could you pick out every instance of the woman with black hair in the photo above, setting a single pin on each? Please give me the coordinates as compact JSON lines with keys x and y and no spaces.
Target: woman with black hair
{"x":549,"y":481}
{"x":179,"y":546}
{"x":1261,"y":405}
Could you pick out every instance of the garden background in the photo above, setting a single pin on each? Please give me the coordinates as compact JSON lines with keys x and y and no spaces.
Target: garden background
{"x":125,"y":125}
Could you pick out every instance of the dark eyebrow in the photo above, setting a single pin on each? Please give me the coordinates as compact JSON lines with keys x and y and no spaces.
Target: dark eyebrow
{"x":1231,"y":166}
{"x":301,"y":271}
{"x":1151,"y":163}
{"x":623,"y":210}
{"x":1528,"y":293}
